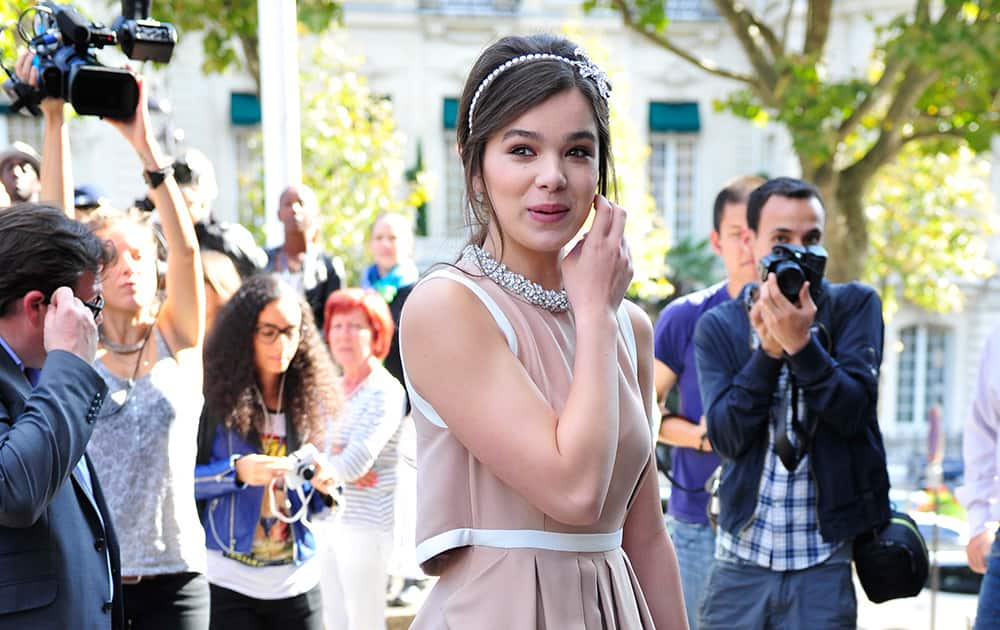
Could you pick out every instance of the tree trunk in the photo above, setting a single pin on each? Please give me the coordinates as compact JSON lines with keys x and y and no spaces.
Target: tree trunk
{"x":845,"y":233}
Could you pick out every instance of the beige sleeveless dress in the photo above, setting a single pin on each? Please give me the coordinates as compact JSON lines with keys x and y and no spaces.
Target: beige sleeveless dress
{"x":504,"y":564}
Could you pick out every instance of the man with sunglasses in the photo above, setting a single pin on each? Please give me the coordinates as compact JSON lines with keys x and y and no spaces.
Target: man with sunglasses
{"x":58,"y":551}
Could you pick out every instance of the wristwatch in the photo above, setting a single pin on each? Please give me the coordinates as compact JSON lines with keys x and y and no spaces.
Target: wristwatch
{"x":155,"y":178}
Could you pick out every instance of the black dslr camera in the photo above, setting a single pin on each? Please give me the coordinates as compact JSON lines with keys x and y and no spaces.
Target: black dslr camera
{"x":64,"y":43}
{"x":792,"y":266}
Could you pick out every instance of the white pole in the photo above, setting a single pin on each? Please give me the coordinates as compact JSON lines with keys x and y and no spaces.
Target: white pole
{"x":279,"y":96}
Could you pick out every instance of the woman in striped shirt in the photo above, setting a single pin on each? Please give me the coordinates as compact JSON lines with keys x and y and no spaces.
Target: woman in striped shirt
{"x":362,"y":449}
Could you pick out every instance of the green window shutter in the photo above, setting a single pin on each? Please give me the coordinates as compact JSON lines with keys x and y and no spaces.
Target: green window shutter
{"x":244,"y":109}
{"x":674,"y":117}
{"x":450,"y":112}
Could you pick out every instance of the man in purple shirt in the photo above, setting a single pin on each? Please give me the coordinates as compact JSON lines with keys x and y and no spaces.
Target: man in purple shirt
{"x":692,"y":457}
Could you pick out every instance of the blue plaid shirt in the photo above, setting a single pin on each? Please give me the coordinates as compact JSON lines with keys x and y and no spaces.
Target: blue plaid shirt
{"x":783,"y":534}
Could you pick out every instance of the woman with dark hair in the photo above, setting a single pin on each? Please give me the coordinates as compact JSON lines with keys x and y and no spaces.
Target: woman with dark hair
{"x":529,"y":375}
{"x":150,"y":357}
{"x":363,"y":440}
{"x":266,"y":404}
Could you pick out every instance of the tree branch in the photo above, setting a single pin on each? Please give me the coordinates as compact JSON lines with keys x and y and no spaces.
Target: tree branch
{"x":890,"y":141}
{"x":817,"y":27}
{"x":892,"y":67}
{"x":663,"y":41}
{"x":740,"y":22}
{"x":774,"y":45}
{"x":785,"y":23}
{"x":932,"y":134}
{"x":251,"y":52}
{"x":922,"y":14}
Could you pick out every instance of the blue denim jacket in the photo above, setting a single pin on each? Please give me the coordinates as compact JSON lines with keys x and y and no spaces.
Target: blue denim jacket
{"x":840,"y":386}
{"x":232,"y":509}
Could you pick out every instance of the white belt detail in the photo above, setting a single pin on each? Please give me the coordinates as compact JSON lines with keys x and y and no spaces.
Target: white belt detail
{"x":518,"y":539}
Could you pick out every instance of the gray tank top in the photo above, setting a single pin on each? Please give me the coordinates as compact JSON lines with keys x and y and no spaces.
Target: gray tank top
{"x":144,"y":448}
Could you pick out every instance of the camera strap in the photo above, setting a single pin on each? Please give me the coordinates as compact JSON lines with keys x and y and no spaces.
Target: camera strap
{"x":789,"y":454}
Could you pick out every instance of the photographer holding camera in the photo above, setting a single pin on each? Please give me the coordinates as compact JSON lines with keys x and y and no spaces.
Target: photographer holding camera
{"x":259,"y":476}
{"x":789,"y":382}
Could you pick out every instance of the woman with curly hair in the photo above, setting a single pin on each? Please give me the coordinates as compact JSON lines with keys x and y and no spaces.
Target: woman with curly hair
{"x":271,"y":389}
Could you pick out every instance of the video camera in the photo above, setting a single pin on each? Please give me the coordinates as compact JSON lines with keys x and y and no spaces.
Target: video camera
{"x":792,"y":266}
{"x":64,"y":43}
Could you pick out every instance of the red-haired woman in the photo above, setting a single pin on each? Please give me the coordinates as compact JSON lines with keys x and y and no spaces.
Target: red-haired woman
{"x":362,"y":454}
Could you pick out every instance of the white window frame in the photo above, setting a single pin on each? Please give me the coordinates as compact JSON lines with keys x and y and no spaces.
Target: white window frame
{"x":455,"y":210}
{"x":922,"y":372}
{"x":665,"y":148}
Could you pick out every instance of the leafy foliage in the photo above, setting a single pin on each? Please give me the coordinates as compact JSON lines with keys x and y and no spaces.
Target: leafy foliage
{"x":929,"y":217}
{"x":230,"y":28}
{"x":933,"y":82}
{"x":352,"y":150}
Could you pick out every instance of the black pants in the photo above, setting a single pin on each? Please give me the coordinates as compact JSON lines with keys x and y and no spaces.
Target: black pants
{"x":169,"y":602}
{"x":235,"y":610}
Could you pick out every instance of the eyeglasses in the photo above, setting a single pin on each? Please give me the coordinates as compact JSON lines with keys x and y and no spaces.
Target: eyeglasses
{"x":269,"y":334}
{"x":95,"y":306}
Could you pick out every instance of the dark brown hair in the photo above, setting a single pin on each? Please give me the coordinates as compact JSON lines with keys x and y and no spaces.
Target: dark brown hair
{"x":41,"y":249}
{"x":735,"y":191}
{"x":511,"y":94}
{"x":311,"y":393}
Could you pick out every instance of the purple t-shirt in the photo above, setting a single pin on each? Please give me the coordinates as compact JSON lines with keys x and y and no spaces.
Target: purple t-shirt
{"x":673,"y":345}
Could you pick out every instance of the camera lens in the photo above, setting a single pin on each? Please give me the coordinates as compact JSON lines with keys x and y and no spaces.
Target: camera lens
{"x":308,"y":472}
{"x":790,"y":279}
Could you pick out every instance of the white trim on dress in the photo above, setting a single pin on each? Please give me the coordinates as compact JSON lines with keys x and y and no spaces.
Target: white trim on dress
{"x":518,"y":539}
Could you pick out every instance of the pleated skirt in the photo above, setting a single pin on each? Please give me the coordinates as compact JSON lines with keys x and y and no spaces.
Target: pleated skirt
{"x":487,"y":588}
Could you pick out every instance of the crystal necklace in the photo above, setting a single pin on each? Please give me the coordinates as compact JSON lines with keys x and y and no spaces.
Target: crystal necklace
{"x":550,"y":299}
{"x":122,"y":348}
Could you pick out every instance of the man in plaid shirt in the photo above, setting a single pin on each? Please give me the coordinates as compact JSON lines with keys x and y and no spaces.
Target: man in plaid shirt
{"x":790,"y":390}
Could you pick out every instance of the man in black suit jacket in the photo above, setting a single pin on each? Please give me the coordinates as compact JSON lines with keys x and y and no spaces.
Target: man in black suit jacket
{"x":59,"y":564}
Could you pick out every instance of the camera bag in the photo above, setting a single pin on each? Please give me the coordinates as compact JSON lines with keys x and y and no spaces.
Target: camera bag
{"x":891,"y":561}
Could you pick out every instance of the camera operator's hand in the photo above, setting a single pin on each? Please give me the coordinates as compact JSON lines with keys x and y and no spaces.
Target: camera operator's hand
{"x":70,"y":326}
{"x":138,"y":131}
{"x":978,"y":549}
{"x":788,"y":323}
{"x":258,"y":470}
{"x":24,"y":68}
{"x":768,"y":343}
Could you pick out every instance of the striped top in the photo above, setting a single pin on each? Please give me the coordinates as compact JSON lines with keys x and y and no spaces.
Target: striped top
{"x":365,"y":437}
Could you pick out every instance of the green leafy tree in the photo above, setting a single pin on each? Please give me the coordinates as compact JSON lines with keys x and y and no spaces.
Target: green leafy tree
{"x":353,"y":152}
{"x":230,"y":28}
{"x":930,"y":222}
{"x":933,"y":84}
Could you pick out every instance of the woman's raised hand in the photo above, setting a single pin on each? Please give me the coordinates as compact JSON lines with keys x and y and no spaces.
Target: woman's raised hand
{"x":598,"y":270}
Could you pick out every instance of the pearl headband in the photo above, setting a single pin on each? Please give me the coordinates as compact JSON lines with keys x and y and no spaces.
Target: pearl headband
{"x":587,"y":68}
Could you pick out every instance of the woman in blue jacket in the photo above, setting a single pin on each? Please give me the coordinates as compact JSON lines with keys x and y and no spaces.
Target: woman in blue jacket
{"x":270,"y":387}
